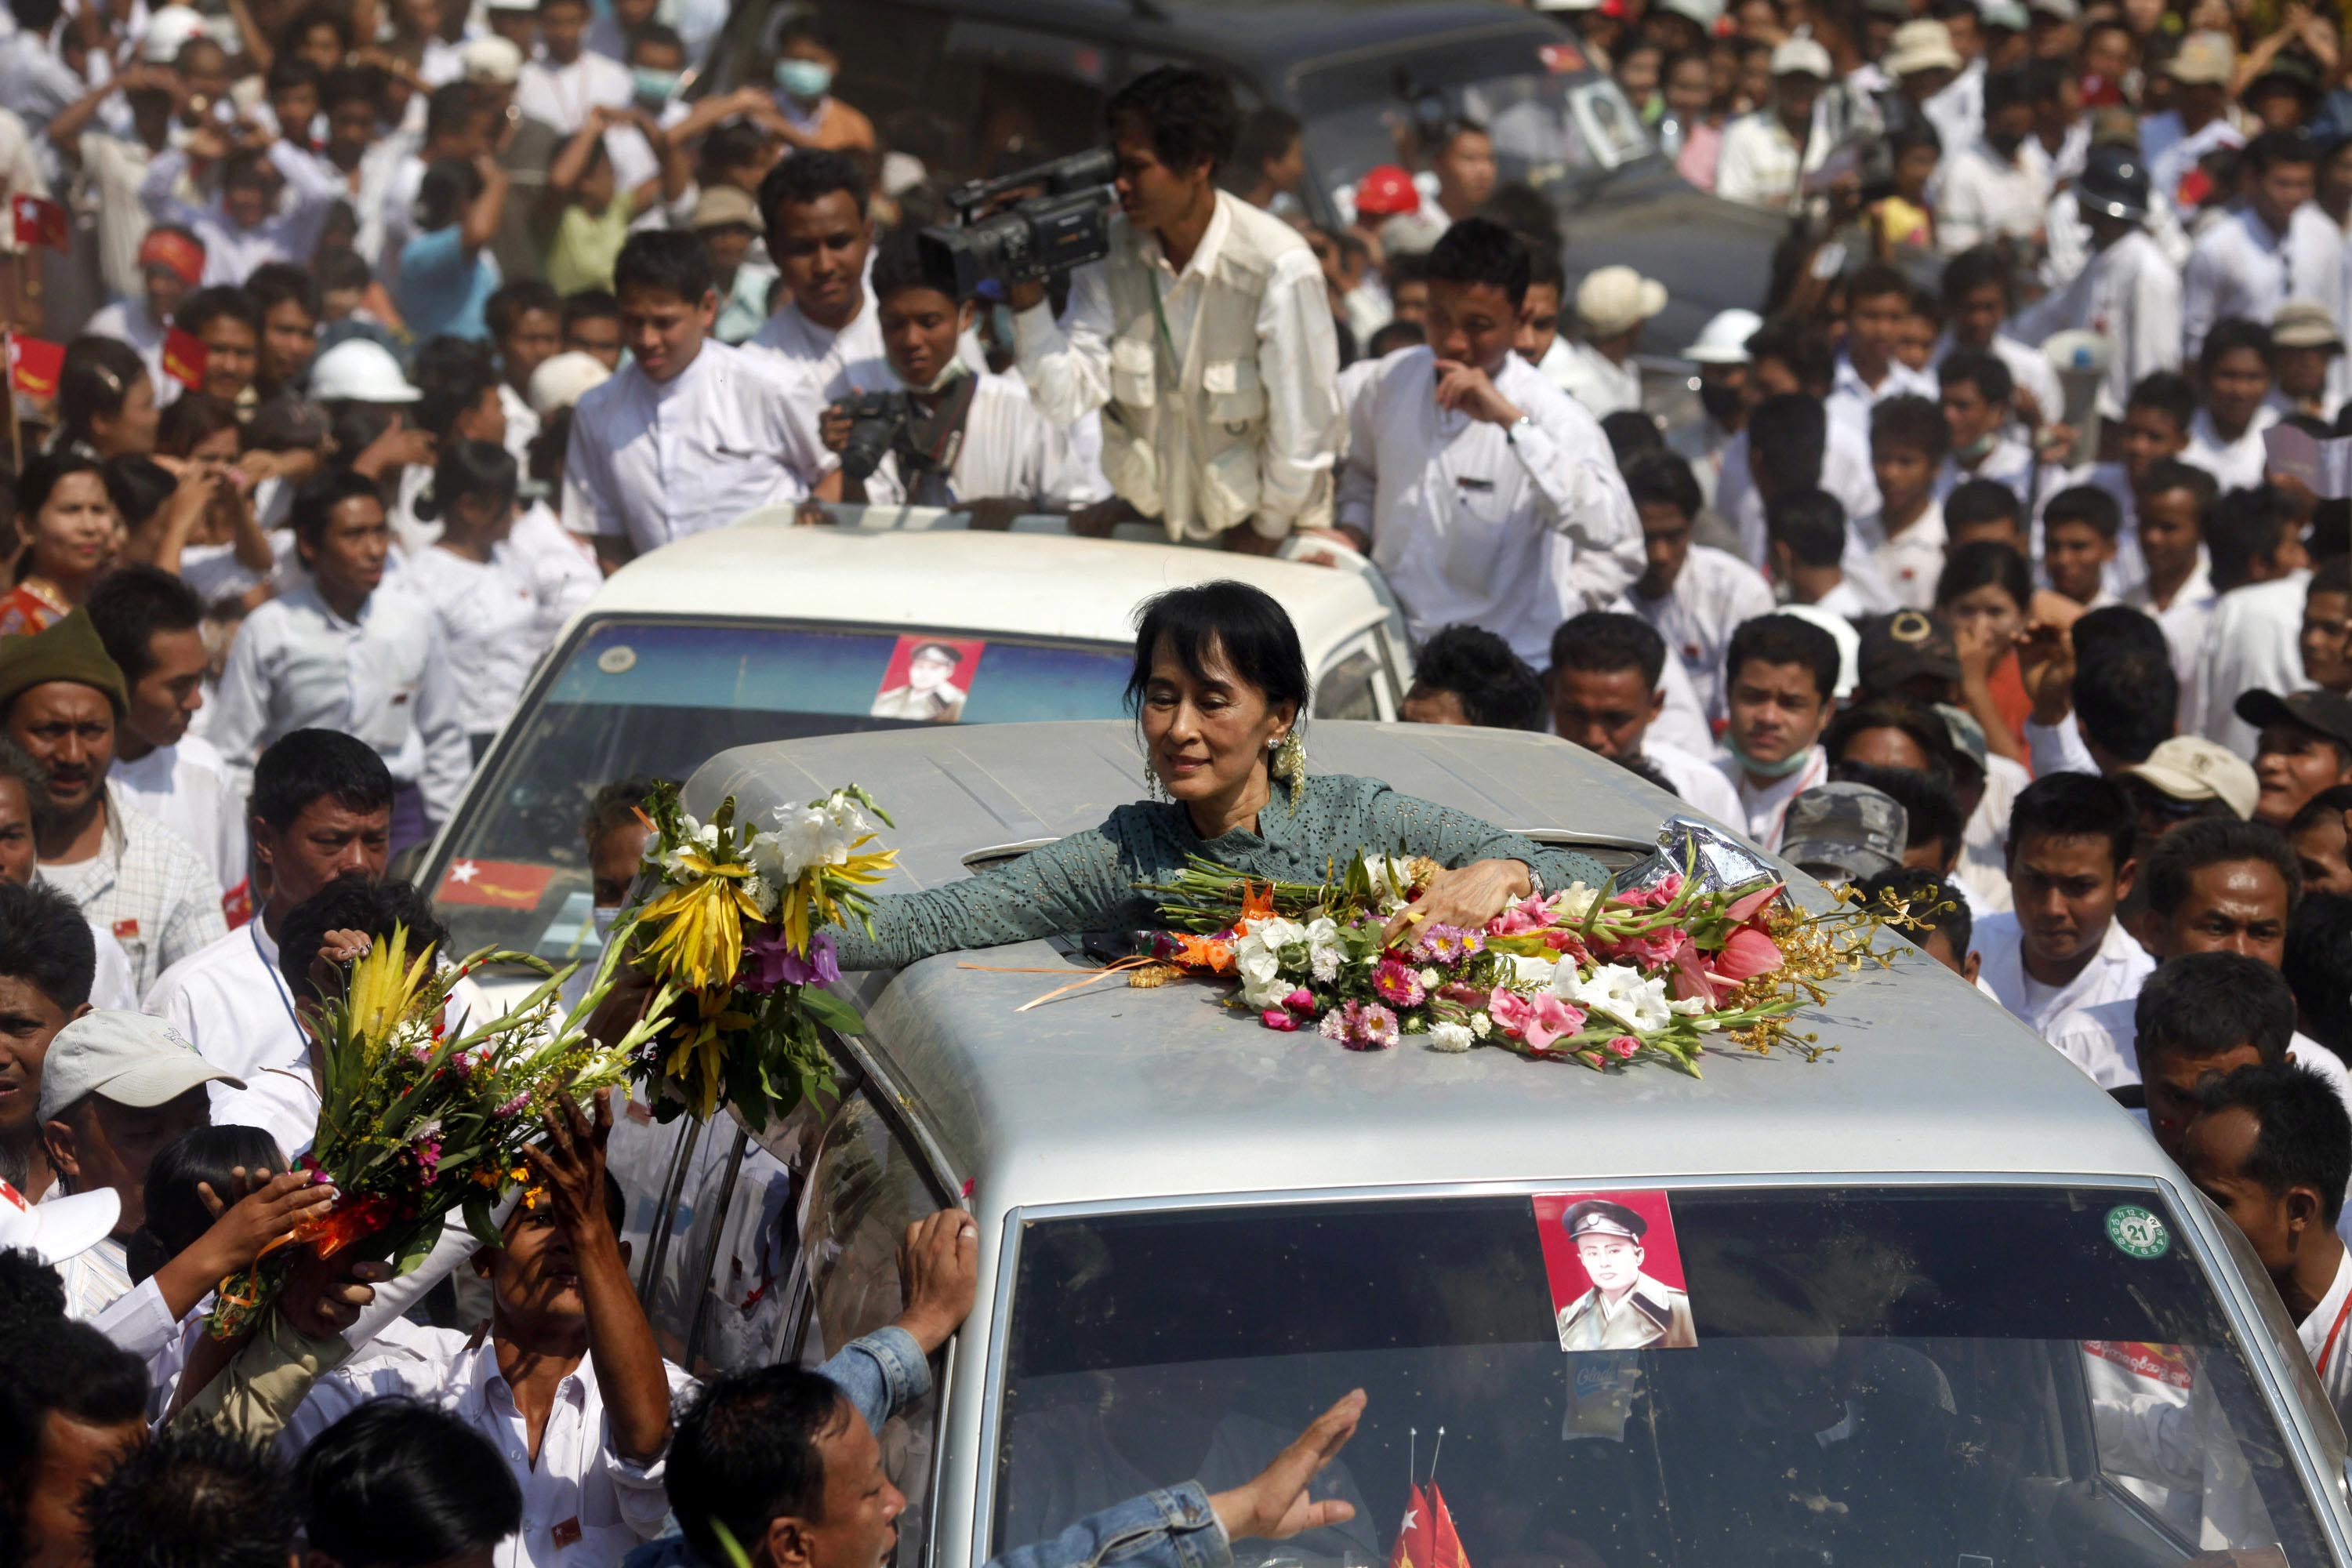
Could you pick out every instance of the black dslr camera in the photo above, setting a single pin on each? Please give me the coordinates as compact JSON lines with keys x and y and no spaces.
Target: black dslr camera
{"x":876,"y":421}
{"x":1037,"y":237}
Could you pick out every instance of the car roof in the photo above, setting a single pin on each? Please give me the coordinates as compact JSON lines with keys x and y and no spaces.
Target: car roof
{"x":1115,"y":1094}
{"x":1035,"y":585}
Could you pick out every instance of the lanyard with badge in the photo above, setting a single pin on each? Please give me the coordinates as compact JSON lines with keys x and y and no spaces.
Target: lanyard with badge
{"x":277,"y":982}
{"x":2320,"y":1365}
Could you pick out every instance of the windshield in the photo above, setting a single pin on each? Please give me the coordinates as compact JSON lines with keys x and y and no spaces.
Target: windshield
{"x":659,"y":698}
{"x":1551,"y":115}
{"x":1889,"y":1377}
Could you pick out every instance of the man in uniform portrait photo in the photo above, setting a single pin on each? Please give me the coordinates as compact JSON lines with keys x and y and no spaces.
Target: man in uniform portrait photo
{"x":930,"y":694}
{"x":1625,"y":1310}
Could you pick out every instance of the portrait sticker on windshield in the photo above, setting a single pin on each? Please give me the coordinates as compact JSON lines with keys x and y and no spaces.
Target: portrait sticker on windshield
{"x":927,"y":680}
{"x":2137,"y":1232}
{"x":1615,"y":1273}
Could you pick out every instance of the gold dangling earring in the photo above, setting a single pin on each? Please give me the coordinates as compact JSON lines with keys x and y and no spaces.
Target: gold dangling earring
{"x":1290,"y":765}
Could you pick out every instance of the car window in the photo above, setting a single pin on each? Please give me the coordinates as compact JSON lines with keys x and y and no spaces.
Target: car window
{"x":661,"y":698}
{"x":1880,"y":1375}
{"x":1347,"y":687}
{"x":1037,"y":95}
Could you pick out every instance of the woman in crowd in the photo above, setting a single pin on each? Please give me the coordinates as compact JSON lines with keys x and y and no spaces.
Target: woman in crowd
{"x":106,"y":404}
{"x":1986,"y":592}
{"x":71,"y":532}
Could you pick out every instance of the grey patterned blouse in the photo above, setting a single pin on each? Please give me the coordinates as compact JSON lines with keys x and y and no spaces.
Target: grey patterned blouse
{"x":1087,"y":881}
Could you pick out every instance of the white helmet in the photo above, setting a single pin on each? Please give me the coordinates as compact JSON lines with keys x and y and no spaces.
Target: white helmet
{"x":358,"y":369}
{"x":1723,"y":339}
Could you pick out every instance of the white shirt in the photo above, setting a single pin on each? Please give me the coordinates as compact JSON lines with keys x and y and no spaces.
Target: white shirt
{"x":2171,"y":154}
{"x":833,"y":364}
{"x":583,"y":1506}
{"x":1985,"y":197}
{"x":2252,"y":644}
{"x":2128,"y":293}
{"x":2236,"y":465}
{"x":1760,"y":164}
{"x":2325,"y":1339}
{"x":94,"y":1277}
{"x":1851,"y":398}
{"x":231,"y":250}
{"x":522,"y":424}
{"x":2009,"y":463}
{"x":1700,"y":783}
{"x":486,"y":619}
{"x":1846,"y":474}
{"x":1007,"y":449}
{"x":298,"y":665}
{"x":1603,"y":387}
{"x":1911,"y":560}
{"x":146,"y":886}
{"x":2185,"y":622}
{"x":1764,"y":809}
{"x":128,"y":320}
{"x":1984,"y":841}
{"x":1512,"y":532}
{"x":186,"y":788}
{"x":656,"y":460}
{"x":1713,"y":596}
{"x":112,"y":168}
{"x":559,"y":565}
{"x":1957,"y":110}
{"x":2240,"y":268}
{"x":2113,"y":975}
{"x":229,"y":999}
{"x":111,"y":986}
{"x":2028,"y":367}
{"x":562,"y":95}
{"x":1704,"y":444}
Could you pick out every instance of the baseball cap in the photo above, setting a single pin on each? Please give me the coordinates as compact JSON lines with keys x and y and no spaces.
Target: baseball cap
{"x":1801,"y":57}
{"x":1386,"y":190}
{"x":2322,"y":710}
{"x":491,"y":61}
{"x":1921,"y":45}
{"x":1616,"y":299}
{"x":2206,"y":56}
{"x":131,"y":1058}
{"x":563,"y":380}
{"x":57,"y":1227}
{"x":720,"y":206}
{"x":2063,"y":10}
{"x":2006,"y":15}
{"x":1723,"y":339}
{"x":2305,"y":324}
{"x":169,"y":28}
{"x":1847,"y":827}
{"x":510,"y":5}
{"x":1967,"y":736}
{"x":1895,"y":647}
{"x":2190,"y":767}
{"x":1706,"y":13}
{"x":359,"y":371}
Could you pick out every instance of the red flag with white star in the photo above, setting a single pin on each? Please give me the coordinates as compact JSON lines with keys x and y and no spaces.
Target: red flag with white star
{"x":1445,"y":1546}
{"x":1416,"y":1544}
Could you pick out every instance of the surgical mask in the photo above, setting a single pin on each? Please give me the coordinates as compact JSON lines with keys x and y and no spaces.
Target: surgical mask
{"x":1793,"y":763}
{"x":605,"y":918}
{"x":654,"y":85}
{"x":1720,"y":401}
{"x":1976,"y":450}
{"x":805,"y":80}
{"x":947,"y":373}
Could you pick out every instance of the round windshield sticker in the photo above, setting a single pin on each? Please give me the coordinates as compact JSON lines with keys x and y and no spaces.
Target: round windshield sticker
{"x":2138,"y":1232}
{"x":618,"y":660}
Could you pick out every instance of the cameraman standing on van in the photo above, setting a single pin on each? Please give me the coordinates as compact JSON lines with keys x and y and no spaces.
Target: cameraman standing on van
{"x":1205,"y":337}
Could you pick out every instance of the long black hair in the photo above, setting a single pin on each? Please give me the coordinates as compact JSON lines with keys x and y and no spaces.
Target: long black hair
{"x":1241,"y":625}
{"x":176,"y":1214}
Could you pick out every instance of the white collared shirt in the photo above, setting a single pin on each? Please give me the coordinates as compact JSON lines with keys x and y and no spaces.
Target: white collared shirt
{"x":2028,"y":367}
{"x":1591,"y":378}
{"x":583,"y":1506}
{"x":2253,"y":642}
{"x":2185,"y":622}
{"x":654,"y":461}
{"x":487,"y":618}
{"x":2128,"y":293}
{"x":298,"y":665}
{"x":2011,"y":464}
{"x":2115,"y":972}
{"x":129,"y":321}
{"x":2240,"y":268}
{"x":1514,"y":532}
{"x":2236,"y":465}
{"x":1007,"y":450}
{"x":562,"y":95}
{"x":1846,"y":474}
{"x":522,"y":424}
{"x":2327,"y":1337}
{"x":147,"y":886}
{"x":229,"y":999}
{"x":1984,"y":197}
{"x":1764,"y":809}
{"x":1984,"y":840}
{"x":559,"y":565}
{"x":1700,"y":783}
{"x":231,"y":250}
{"x":1760,"y":162}
{"x":1911,"y":560}
{"x":2171,"y":153}
{"x":186,"y":787}
{"x":831,"y":364}
{"x":1851,"y":398}
{"x":1713,"y":596}
{"x":96,"y":1277}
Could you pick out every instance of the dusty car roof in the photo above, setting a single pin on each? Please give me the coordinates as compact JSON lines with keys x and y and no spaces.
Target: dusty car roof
{"x":1035,"y":585}
{"x":1116,"y":1094}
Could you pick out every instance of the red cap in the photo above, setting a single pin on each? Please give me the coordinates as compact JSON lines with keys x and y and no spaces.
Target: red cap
{"x":1385,"y":191}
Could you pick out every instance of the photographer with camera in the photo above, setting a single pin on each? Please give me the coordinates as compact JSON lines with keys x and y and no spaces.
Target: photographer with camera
{"x":952,"y":437}
{"x":1204,"y":335}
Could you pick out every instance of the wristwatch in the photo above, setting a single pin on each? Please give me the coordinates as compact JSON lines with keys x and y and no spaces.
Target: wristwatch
{"x":1511,"y":431}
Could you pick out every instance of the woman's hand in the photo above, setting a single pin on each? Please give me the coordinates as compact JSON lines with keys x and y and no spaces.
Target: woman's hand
{"x":1468,"y":897}
{"x":269,"y":1206}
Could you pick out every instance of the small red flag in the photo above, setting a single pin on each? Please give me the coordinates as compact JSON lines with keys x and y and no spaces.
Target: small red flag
{"x":34,"y":367}
{"x":1446,"y":1548}
{"x":39,"y":221}
{"x":183,"y":359}
{"x":500,"y":884}
{"x":1416,"y":1542}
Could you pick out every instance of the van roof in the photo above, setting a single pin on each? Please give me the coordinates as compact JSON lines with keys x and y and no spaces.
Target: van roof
{"x":1116,"y":1094}
{"x":1029,"y":584}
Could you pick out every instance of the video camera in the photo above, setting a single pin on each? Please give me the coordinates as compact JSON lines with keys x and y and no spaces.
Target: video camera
{"x":1066,"y":225}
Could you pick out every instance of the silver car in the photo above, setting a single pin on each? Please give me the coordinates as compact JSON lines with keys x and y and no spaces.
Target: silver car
{"x":1951,"y":1305}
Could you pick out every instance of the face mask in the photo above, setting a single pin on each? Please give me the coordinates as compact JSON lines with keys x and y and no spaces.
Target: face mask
{"x":947,"y":373}
{"x":1000,"y":325}
{"x":1722,"y":401}
{"x":605,"y":918}
{"x":1976,"y":450}
{"x":654,"y":85}
{"x":805,"y":80}
{"x":1793,"y":763}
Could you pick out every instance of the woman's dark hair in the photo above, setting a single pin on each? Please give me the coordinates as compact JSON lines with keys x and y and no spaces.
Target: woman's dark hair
{"x":469,"y":468}
{"x":95,"y":381}
{"x":398,"y":1484}
{"x":1243,"y":624}
{"x":44,"y":472}
{"x":1986,"y":562}
{"x":547,"y":447}
{"x":450,"y":186}
{"x":1922,"y":727}
{"x":176,"y":1215}
{"x":1493,"y":685}
{"x":137,"y":486}
{"x":193,"y":418}
{"x":355,"y":903}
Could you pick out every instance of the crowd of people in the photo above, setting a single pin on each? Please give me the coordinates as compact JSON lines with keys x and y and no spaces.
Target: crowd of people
{"x":1973,"y":577}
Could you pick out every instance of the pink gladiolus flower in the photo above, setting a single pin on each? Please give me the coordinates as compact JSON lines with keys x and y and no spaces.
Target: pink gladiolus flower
{"x":1649,"y":950}
{"x":1748,"y":908}
{"x":1749,"y":954}
{"x":1687,"y":977}
{"x":1397,"y":983}
{"x":1300,"y":1001}
{"x":1624,"y":1045}
{"x":1553,"y":1019}
{"x":1277,"y":1018}
{"x":1527,"y":915}
{"x":1512,"y":1013}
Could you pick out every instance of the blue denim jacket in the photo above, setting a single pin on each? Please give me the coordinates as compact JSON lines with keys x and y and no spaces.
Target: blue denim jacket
{"x":885,"y":1372}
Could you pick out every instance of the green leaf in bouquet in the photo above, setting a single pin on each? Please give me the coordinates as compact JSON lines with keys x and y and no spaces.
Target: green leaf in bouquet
{"x":831,"y":1011}
{"x":477,"y":1212}
{"x":411,"y":1251}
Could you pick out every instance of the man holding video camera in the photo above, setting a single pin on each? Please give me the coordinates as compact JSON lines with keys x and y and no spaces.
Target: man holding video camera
{"x":1204,"y":336}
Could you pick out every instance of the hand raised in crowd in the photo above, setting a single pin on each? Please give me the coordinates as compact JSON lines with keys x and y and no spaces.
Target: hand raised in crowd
{"x":324,"y":1296}
{"x":1469,"y":389}
{"x":939,"y":1275}
{"x":833,"y":427}
{"x":2046,"y":663}
{"x":257,"y":1210}
{"x":571,"y":1164}
{"x":1272,"y":1504}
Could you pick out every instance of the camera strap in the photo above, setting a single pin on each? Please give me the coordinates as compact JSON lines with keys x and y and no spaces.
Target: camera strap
{"x":930,"y":444}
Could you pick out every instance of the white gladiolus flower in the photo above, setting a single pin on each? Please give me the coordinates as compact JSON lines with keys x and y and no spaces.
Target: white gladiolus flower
{"x":1526,"y":971}
{"x":1618,"y":990}
{"x":1260,"y":969}
{"x":1451,"y":1037}
{"x":1388,"y":877}
{"x":1689,"y":1007}
{"x":1574,"y":901}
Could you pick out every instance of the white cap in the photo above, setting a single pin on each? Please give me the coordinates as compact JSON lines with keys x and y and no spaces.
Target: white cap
{"x":1802,"y":56}
{"x":169,"y":30}
{"x":563,"y":380}
{"x":510,"y":5}
{"x":1616,"y":300}
{"x":358,"y":369}
{"x":1723,"y":339}
{"x":131,"y":1058}
{"x":59,"y":1226}
{"x":1567,"y":5}
{"x":491,"y":61}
